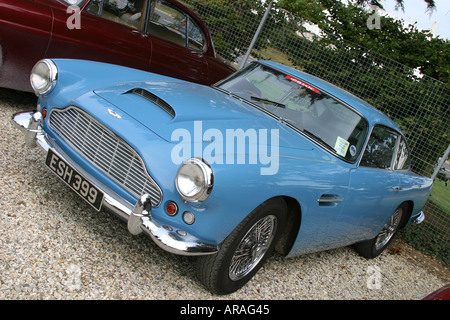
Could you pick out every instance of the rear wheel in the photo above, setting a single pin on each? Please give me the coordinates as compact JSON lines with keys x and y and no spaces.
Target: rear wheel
{"x":374,"y":247}
{"x":245,"y":250}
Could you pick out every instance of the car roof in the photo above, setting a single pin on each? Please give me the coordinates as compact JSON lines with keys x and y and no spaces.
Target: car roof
{"x":373,"y":115}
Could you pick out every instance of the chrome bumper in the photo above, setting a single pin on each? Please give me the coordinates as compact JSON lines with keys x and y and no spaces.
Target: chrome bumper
{"x":138,"y":216}
{"x":420,"y":218}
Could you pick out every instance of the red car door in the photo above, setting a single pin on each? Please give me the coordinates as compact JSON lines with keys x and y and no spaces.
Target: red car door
{"x":179,"y":44}
{"x":108,"y":31}
{"x":24,"y":34}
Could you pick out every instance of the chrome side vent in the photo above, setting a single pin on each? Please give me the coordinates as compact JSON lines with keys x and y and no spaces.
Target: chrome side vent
{"x":156,"y":100}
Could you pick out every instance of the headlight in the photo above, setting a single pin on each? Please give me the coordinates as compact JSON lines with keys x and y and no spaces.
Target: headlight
{"x":194,"y":180}
{"x":43,"y":76}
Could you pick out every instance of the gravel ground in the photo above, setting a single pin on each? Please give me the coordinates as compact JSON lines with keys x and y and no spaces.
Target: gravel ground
{"x":54,"y":246}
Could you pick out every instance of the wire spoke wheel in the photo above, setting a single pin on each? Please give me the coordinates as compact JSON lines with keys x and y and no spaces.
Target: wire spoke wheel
{"x":252,"y":247}
{"x":389,"y":229}
{"x":245,"y":250}
{"x":374,"y":247}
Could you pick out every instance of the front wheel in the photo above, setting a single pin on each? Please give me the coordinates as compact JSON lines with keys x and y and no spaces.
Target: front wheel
{"x":245,"y":250}
{"x":374,"y":247}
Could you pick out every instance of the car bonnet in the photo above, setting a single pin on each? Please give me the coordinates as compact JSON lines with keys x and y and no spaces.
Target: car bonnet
{"x":164,"y":107}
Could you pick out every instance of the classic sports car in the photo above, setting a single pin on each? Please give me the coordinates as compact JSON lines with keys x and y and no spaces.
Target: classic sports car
{"x":160,"y":36}
{"x":270,"y":157}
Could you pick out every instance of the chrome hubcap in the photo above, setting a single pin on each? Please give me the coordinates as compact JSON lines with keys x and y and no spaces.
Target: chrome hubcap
{"x":389,"y":229}
{"x":252,"y":247}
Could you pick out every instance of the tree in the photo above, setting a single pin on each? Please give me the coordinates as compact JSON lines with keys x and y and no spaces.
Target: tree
{"x":230,"y":21}
{"x":405,"y":44}
{"x":400,"y":3}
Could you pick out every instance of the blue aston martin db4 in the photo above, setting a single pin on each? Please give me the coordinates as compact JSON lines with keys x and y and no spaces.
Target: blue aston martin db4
{"x":268,"y":158}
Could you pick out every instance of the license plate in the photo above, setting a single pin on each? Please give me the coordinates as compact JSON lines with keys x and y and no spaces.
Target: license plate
{"x":73,"y":179}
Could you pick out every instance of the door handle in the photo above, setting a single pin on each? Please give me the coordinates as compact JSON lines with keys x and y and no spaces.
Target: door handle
{"x":398,"y":188}
{"x":329,"y":199}
{"x":137,"y":32}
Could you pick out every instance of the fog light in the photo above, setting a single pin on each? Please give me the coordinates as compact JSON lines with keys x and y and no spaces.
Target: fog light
{"x":171,"y":208}
{"x":188,"y":217}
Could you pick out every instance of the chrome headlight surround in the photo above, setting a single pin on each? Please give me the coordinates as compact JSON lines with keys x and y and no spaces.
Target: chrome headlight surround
{"x":43,"y":76}
{"x":194,"y":180}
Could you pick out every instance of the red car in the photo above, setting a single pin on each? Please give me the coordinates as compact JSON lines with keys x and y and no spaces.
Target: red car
{"x":160,"y":36}
{"x":440,"y":294}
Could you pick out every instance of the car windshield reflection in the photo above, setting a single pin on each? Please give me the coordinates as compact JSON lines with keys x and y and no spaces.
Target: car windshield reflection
{"x":302,"y":106}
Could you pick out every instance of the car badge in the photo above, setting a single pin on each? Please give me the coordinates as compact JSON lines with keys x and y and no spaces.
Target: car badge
{"x":114,"y":114}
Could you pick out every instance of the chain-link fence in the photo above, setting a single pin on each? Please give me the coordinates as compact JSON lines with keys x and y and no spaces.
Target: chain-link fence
{"x":417,"y":103}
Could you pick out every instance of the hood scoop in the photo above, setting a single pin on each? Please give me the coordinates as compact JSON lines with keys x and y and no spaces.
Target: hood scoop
{"x":153,"y":98}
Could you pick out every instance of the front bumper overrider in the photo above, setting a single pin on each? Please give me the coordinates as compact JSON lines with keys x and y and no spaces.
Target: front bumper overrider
{"x":138,"y":215}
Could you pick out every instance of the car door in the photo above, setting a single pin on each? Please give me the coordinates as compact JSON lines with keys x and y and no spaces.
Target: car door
{"x":25,"y":28}
{"x":178,"y":43}
{"x":109,"y":31}
{"x":373,"y":188}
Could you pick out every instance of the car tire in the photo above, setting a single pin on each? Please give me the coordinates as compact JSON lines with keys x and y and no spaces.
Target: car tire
{"x":374,"y":247}
{"x":245,"y":250}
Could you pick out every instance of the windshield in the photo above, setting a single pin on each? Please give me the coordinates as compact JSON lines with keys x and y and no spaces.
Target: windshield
{"x":316,"y":114}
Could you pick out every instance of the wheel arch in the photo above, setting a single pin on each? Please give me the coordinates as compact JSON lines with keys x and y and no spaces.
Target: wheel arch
{"x":409,"y":205}
{"x":291,"y":227}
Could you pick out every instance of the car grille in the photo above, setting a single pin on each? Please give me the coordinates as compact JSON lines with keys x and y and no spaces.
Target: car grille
{"x":105,"y":151}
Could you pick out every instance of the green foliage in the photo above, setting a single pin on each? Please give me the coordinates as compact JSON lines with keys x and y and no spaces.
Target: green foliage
{"x":310,"y":10}
{"x":229,"y":19}
{"x":404,"y":44}
{"x":427,"y":239}
{"x":400,"y":3}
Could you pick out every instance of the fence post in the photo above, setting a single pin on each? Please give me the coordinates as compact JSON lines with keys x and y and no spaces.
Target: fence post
{"x":255,"y":37}
{"x":441,"y":162}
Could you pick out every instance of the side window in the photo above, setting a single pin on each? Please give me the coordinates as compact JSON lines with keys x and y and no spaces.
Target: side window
{"x":127,"y":12}
{"x":380,"y":149}
{"x":402,"y":160}
{"x":171,"y":23}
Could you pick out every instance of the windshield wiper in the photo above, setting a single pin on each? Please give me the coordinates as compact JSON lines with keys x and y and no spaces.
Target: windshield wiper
{"x":318,"y":138}
{"x":277,"y":104}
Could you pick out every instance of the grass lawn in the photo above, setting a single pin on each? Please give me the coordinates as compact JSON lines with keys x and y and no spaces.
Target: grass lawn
{"x":440,"y":195}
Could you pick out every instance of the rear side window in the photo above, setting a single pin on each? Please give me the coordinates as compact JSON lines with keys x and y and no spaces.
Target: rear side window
{"x":380,"y":149}
{"x":402,"y":159}
{"x":168,"y":22}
